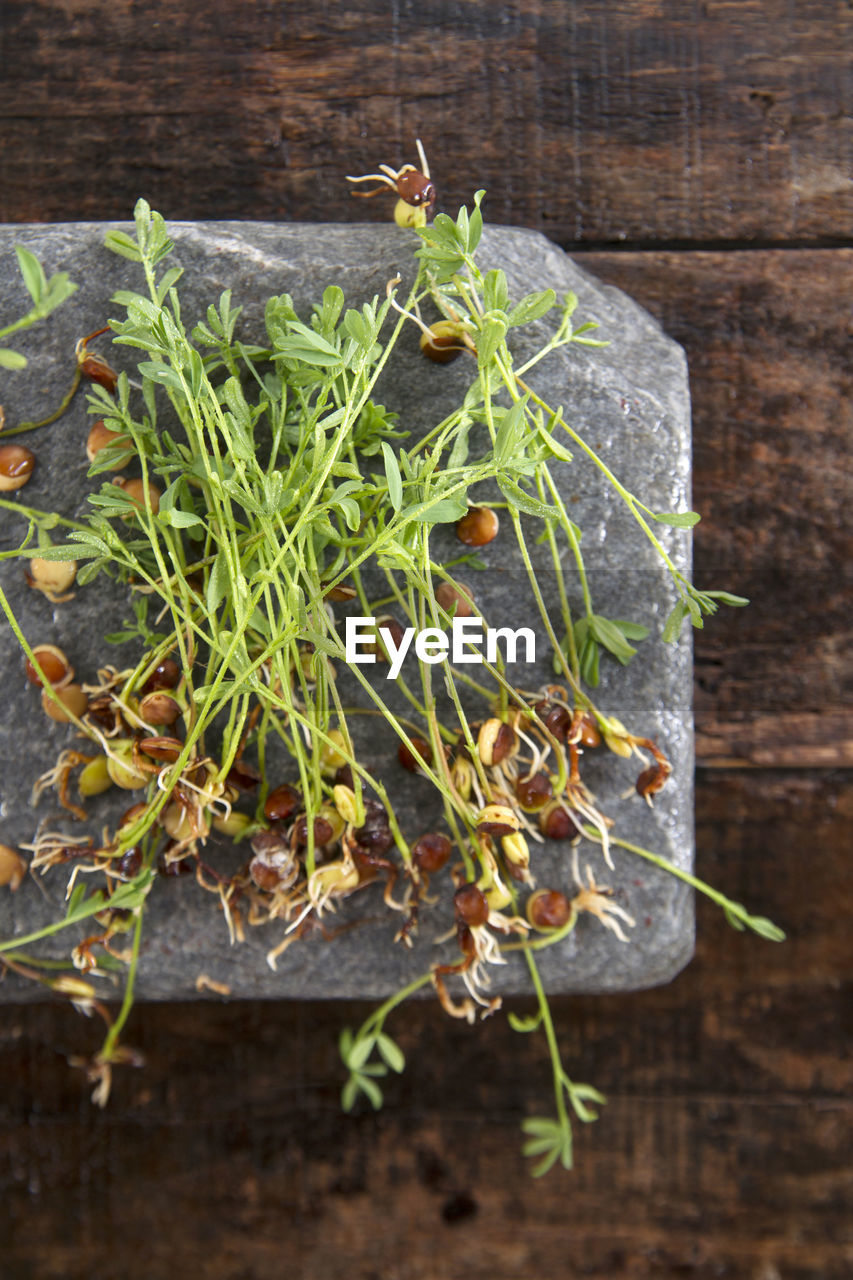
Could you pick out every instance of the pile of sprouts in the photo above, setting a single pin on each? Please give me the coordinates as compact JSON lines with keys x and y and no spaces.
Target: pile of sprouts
{"x":246,"y":493}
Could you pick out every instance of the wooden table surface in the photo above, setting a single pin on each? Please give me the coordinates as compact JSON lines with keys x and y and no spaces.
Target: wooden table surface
{"x":699,"y":156}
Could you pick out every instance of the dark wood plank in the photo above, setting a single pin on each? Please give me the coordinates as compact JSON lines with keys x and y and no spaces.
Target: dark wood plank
{"x":767,"y":337}
{"x":706,"y":124}
{"x":724,"y":1149}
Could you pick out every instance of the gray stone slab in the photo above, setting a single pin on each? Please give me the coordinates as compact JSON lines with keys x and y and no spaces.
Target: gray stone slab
{"x":631,"y":402}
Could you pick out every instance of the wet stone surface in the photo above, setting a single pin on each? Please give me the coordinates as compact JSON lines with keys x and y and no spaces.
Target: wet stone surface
{"x":629,"y":400}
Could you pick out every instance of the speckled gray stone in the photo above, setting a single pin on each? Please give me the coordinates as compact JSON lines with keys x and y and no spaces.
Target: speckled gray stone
{"x":630,"y":400}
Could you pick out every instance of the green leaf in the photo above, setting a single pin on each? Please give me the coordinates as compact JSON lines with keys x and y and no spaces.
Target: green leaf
{"x":518,"y":498}
{"x":10,"y":359}
{"x":524,"y":1025}
{"x":509,"y":433}
{"x":120,"y":243}
{"x":631,"y":630}
{"x":392,"y":474}
{"x":491,"y":335}
{"x":672,"y":626}
{"x":372,"y":1090}
{"x":766,"y":928}
{"x":32,"y":272}
{"x":725,"y":597}
{"x":495,"y":291}
{"x":180,"y":519}
{"x":391,"y":1052}
{"x":533,"y":307}
{"x":678,"y":519}
{"x":443,"y":511}
{"x":611,"y":638}
{"x":360,"y":1052}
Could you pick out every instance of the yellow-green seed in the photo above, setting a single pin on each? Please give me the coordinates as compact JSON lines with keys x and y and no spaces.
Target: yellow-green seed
{"x":95,"y":777}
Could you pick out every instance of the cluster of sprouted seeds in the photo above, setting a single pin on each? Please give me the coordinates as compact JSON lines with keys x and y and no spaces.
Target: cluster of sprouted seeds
{"x":267,"y":482}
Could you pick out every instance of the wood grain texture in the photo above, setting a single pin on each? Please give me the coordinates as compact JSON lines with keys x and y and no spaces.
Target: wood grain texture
{"x":768,"y":340}
{"x":648,"y":122}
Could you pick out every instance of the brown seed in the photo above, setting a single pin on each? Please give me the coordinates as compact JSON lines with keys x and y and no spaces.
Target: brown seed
{"x":395,"y":630}
{"x":322,"y":831}
{"x":54,"y":664}
{"x":557,"y":719}
{"x":132,"y":814}
{"x":548,"y":909}
{"x":557,"y":823}
{"x":243,"y":776}
{"x":166,"y":749}
{"x":12,"y":867}
{"x":470,"y":905}
{"x":497,"y":820}
{"x":74,"y":703}
{"x":281,"y":803}
{"x":101,"y":437}
{"x":590,"y":734}
{"x":495,"y":741}
{"x":96,"y":369}
{"x":534,"y":792}
{"x":455,"y":599}
{"x":159,"y":709}
{"x":130,"y":861}
{"x":430,"y":852}
{"x":652,"y":780}
{"x":444,"y":342}
{"x":16,"y":466}
{"x":135,"y":490}
{"x":409,"y":760}
{"x":166,"y":675}
{"x":478,"y":527}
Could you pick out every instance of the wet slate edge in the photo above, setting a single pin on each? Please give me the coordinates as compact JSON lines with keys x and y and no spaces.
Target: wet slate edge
{"x":631,"y":402}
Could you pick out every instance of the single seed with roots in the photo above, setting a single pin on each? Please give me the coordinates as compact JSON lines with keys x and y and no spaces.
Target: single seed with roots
{"x":470,"y":905}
